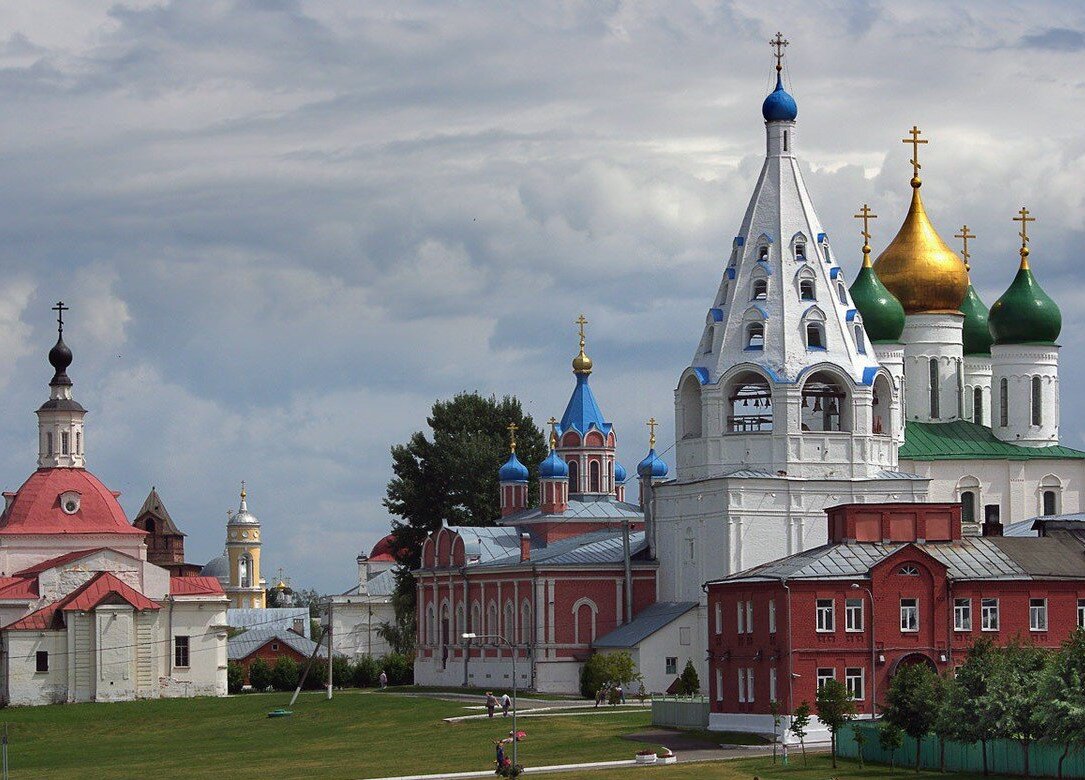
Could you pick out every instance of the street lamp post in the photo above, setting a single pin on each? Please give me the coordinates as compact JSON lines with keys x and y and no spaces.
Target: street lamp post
{"x":512,"y":650}
{"x":873,"y":670}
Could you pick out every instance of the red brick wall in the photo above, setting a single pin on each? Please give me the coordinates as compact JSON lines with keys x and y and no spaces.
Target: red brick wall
{"x":270,"y":651}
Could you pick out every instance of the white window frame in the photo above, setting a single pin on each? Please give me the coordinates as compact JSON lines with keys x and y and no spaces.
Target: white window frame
{"x":749,"y":616}
{"x":772,"y":684}
{"x":853,"y":608}
{"x":1037,"y":615}
{"x":668,"y":668}
{"x":852,"y":675}
{"x":988,"y":609}
{"x":741,"y":612}
{"x":750,"y":688}
{"x":1081,"y":613}
{"x":909,"y":626}
{"x":772,"y":616}
{"x":823,"y":608}
{"x":962,"y":614}
{"x":823,"y":678}
{"x":719,"y":618}
{"x":719,"y":685}
{"x":741,"y":686}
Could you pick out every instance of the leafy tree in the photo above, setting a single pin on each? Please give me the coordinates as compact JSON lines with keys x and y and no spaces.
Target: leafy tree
{"x":285,"y":674}
{"x":235,"y":677}
{"x":859,"y":737}
{"x":774,"y":708}
{"x":912,"y":703}
{"x":342,"y":672}
{"x":944,"y":727}
{"x":890,"y":739}
{"x":607,"y":669}
{"x":316,"y":680}
{"x":366,"y":672}
{"x":1017,"y":696}
{"x":452,"y":477}
{"x":835,"y":708}
{"x":800,"y":721}
{"x":968,"y":710}
{"x":399,"y":668}
{"x":689,"y":684}
{"x":400,"y":635}
{"x":260,"y":674}
{"x":1062,"y":696}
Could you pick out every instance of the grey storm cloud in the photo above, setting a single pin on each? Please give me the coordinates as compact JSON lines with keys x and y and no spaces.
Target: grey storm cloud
{"x":286,"y":228}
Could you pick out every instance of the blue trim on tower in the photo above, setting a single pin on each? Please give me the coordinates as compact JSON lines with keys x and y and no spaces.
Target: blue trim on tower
{"x":850,"y":316}
{"x":583,"y":410}
{"x":868,"y":374}
{"x":717,"y":314}
{"x":702,"y":374}
{"x":730,"y":273}
{"x":834,"y":272}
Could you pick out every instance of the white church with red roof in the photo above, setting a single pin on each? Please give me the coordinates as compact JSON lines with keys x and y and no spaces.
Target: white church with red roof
{"x":83,"y":615}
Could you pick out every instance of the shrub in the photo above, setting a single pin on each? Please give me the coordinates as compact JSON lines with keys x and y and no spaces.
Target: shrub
{"x":285,"y":673}
{"x":689,"y":683}
{"x":366,"y":672}
{"x":593,"y":675}
{"x":342,"y":672}
{"x":235,"y":677}
{"x":260,"y":675}
{"x":399,"y":667}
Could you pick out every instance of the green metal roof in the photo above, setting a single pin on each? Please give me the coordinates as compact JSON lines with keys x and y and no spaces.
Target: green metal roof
{"x":962,"y":440}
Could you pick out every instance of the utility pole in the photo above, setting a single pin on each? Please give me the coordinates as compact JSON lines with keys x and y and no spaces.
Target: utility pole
{"x":329,"y":633}
{"x":628,"y":573}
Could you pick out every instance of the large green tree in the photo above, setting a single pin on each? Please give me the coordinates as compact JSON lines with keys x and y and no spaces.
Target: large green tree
{"x":835,"y":708}
{"x":1062,"y":697}
{"x":912,"y":703}
{"x":450,"y":476}
{"x":969,"y":708}
{"x":1017,"y":694}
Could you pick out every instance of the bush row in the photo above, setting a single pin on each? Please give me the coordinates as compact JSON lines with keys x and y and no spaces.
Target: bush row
{"x":284,"y":674}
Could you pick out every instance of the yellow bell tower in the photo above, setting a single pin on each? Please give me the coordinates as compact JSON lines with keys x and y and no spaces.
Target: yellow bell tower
{"x":247,"y":587}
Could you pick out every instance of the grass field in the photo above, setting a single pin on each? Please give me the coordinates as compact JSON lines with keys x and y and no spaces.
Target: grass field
{"x":819,"y":768}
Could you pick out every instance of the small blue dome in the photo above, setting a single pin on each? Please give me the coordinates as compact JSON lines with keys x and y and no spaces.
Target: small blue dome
{"x":779,"y":106}
{"x":619,"y":473}
{"x":652,"y":466}
{"x":513,"y":470}
{"x":553,"y":467}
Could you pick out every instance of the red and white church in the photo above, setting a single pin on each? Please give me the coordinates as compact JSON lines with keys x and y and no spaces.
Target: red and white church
{"x":84,"y":616}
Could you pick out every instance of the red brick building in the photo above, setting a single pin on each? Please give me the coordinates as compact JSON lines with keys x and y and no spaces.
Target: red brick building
{"x":271,"y":644}
{"x":777,"y":631}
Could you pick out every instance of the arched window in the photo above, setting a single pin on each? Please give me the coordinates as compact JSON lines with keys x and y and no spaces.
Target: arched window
{"x":806,"y":290}
{"x":749,"y":404}
{"x":860,"y":339}
{"x":785,"y":141}
{"x":150,"y":525}
{"x":1004,"y":403}
{"x":824,"y":404}
{"x":508,"y":630}
{"x":815,"y":335}
{"x":476,"y":619}
{"x":584,"y":611}
{"x":1050,"y":502}
{"x":244,"y":570}
{"x":491,"y":619}
{"x":800,"y":251}
{"x":574,"y":475}
{"x":1037,"y":401}
{"x":968,"y":506}
{"x":977,"y":405}
{"x":881,"y":422}
{"x":526,"y":634}
{"x":1050,"y":495}
{"x":461,"y":621}
{"x":690,"y":398}
{"x":842,"y":293}
{"x":594,"y":479}
{"x":762,"y":253}
{"x":755,"y":335}
{"x":760,"y":289}
{"x":934,"y":388}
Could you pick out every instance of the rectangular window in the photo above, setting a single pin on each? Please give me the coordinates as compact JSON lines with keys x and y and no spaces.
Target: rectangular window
{"x":719,"y":685}
{"x":1037,"y":614}
{"x":719,"y":618}
{"x":1081,"y":613}
{"x":749,"y":617}
{"x":41,"y":661}
{"x":909,"y":615}
{"x":741,"y":611}
{"x":962,"y":614}
{"x":78,"y":443}
{"x":772,"y":616}
{"x":853,"y":679}
{"x":1037,"y":401}
{"x":749,"y":685}
{"x":772,"y":684}
{"x":180,"y":651}
{"x":825,"y":620}
{"x":989,"y":614}
{"x":935,"y":384}
{"x":853,"y":615}
{"x":685,"y":635}
{"x":49,"y":443}
{"x":742,"y":686}
{"x":672,"y":665}
{"x":824,"y":675}
{"x":1003,"y":403}
{"x":64,"y":443}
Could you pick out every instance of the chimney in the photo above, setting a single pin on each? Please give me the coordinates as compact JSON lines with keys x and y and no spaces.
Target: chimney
{"x":363,"y":574}
{"x":525,"y":548}
{"x":992,"y":526}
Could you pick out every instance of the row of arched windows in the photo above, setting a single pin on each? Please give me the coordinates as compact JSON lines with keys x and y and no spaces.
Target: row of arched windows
{"x":814,"y":333}
{"x":441,"y":633}
{"x":1049,"y":495}
{"x":1036,"y":402}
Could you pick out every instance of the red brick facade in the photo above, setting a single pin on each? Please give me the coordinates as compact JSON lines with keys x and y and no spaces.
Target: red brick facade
{"x":270,"y":651}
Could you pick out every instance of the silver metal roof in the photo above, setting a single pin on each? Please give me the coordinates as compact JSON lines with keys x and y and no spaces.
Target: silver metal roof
{"x":278,"y":618}
{"x":645,"y":623}
{"x":581,"y":510}
{"x":248,"y":642}
{"x":596,"y":547}
{"x":380,"y":585}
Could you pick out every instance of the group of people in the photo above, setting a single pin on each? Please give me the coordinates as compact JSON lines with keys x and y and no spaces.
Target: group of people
{"x":492,"y":701}
{"x":613,"y":694}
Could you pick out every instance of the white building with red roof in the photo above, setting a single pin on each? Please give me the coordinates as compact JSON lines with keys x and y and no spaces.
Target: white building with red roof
{"x":84,"y":616}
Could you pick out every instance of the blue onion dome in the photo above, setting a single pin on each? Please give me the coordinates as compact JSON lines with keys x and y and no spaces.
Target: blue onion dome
{"x":1025,"y":314}
{"x":652,"y":466}
{"x":553,"y":467}
{"x":513,"y":470}
{"x":977,"y":331}
{"x":779,"y":106}
{"x":619,"y":473}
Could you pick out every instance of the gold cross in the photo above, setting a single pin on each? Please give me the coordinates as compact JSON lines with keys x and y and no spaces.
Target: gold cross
{"x":866,"y":215}
{"x":964,"y":235}
{"x":512,"y":436}
{"x":242,"y":489}
{"x":915,"y":141}
{"x":779,"y":43}
{"x":652,"y":432}
{"x":1024,"y":219}
{"x":553,"y":421}
{"x":581,"y":321}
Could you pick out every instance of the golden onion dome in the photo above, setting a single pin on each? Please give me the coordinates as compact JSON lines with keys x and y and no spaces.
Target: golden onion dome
{"x":582,"y":363}
{"x":919,"y":269}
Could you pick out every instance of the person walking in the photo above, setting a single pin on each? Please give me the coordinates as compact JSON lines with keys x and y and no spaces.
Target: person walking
{"x":383,"y":679}
{"x":506,"y":702}
{"x":491,"y":703}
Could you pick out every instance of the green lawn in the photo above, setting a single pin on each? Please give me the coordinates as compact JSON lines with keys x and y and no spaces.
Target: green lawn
{"x":819,"y":768}
{"x":356,"y":735}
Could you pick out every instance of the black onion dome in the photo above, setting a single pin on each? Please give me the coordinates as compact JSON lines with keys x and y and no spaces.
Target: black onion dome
{"x":60,"y":357}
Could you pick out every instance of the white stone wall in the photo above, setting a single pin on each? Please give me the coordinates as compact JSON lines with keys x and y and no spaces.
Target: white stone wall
{"x":891,"y":357}
{"x":679,"y":640}
{"x":18,"y":552}
{"x":977,"y":375}
{"x":204,"y":622}
{"x":1018,"y":365}
{"x":355,"y":620}
{"x":25,"y":686}
{"x":933,"y":337}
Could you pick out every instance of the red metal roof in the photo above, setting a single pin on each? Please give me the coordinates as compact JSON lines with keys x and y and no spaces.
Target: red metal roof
{"x":35,"y":509}
{"x":196,"y":586}
{"x":101,"y":587}
{"x":384,"y":550}
{"x":18,"y":588}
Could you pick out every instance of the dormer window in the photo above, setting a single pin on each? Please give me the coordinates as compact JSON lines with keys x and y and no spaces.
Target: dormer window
{"x":860,"y":339}
{"x":842,"y":293}
{"x":909,"y":571}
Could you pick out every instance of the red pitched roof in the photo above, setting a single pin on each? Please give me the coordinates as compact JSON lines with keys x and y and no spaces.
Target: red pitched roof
{"x":86,"y":597}
{"x":18,"y":588}
{"x":60,"y":560}
{"x":35,"y":509}
{"x":196,"y":586}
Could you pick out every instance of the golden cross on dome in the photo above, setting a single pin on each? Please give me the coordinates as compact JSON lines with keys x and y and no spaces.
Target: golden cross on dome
{"x":779,"y":43}
{"x":866,"y":215}
{"x":915,"y":141}
{"x":581,"y":321}
{"x":242,"y":490}
{"x":512,"y":436}
{"x":652,"y":432}
{"x":553,"y":422}
{"x":1024,"y":218}
{"x":964,"y":235}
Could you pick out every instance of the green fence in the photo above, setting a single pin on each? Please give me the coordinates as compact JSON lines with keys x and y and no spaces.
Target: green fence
{"x":684,"y":712}
{"x":1003,"y":756}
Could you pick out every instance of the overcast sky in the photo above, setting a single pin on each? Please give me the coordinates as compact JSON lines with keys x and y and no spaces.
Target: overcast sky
{"x":285,"y":229}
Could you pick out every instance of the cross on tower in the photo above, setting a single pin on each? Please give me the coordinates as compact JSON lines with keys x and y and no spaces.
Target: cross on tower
{"x":553,"y":422}
{"x":651,"y":432}
{"x":866,"y":215}
{"x":915,"y":141}
{"x":581,"y":321}
{"x":512,"y":436}
{"x":60,"y":308}
{"x":779,"y":43}
{"x":243,"y":490}
{"x":964,"y":235}
{"x":1024,"y":219}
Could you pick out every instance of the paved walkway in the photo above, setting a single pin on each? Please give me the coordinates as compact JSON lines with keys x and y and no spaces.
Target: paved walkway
{"x":553,"y":712}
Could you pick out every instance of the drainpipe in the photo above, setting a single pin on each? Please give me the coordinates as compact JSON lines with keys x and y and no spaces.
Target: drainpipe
{"x":949,"y":621}
{"x":790,"y":657}
{"x":169,"y":639}
{"x":628,"y":574}
{"x":466,"y":622}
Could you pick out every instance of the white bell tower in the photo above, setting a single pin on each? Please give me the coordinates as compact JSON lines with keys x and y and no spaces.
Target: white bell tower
{"x":60,"y":419}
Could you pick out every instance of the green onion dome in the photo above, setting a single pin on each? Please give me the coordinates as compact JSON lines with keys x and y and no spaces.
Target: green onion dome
{"x":977,"y":332}
{"x":883,"y":315}
{"x":1025,"y":314}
